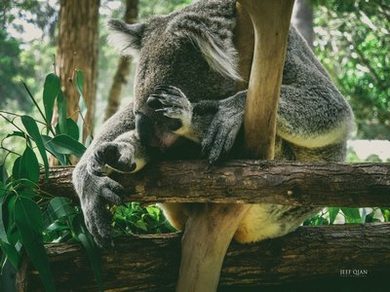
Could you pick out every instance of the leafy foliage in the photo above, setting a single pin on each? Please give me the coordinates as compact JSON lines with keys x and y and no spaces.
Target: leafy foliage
{"x":353,"y":39}
{"x":22,"y":204}
{"x":29,"y":217}
{"x":133,"y":218}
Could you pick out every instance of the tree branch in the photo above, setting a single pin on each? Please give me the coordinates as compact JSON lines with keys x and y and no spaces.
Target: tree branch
{"x":152,"y":264}
{"x":247,"y":181}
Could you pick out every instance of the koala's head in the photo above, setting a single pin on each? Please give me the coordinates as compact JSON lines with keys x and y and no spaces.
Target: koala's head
{"x":191,"y":49}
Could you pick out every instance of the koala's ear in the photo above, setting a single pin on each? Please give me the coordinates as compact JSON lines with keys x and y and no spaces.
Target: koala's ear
{"x":127,"y":38}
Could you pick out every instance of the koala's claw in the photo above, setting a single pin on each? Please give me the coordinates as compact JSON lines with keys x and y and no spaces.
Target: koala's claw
{"x":168,"y":97}
{"x":171,"y":103}
{"x":223,"y":130}
{"x":117,"y":156}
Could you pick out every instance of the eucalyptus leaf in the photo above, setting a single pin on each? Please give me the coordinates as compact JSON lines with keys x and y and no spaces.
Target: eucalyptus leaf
{"x":3,"y":174}
{"x":16,"y":134}
{"x":352,"y":215}
{"x":65,"y":144}
{"x":28,"y":219}
{"x":333,"y":213}
{"x":17,"y":168}
{"x":32,"y":129}
{"x":53,"y":150}
{"x":12,"y":253}
{"x":3,"y":232}
{"x":90,"y":247}
{"x":71,"y":128}
{"x":60,"y":207}
{"x":50,"y":92}
{"x":30,"y":165}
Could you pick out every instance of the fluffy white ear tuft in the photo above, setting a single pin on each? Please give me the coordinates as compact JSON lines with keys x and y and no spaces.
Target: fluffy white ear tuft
{"x":127,"y":38}
{"x":220,"y":59}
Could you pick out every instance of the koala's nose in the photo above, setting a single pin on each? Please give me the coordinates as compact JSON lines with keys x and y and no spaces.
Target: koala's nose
{"x":144,"y":127}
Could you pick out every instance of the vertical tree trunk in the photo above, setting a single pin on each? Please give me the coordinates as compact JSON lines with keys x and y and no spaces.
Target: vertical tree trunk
{"x":123,"y":69}
{"x":77,"y":49}
{"x":210,"y":228}
{"x":302,"y":19}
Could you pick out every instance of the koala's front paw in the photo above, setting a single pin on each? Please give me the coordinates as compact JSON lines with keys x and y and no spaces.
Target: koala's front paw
{"x":118,"y":156}
{"x":95,"y":193}
{"x":172,"y":103}
{"x":223,"y":130}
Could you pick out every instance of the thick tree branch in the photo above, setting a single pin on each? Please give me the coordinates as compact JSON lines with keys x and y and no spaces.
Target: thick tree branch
{"x":152,"y":264}
{"x":247,"y":181}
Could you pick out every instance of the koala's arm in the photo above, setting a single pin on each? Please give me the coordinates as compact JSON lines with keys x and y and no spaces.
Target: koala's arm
{"x":312,"y":117}
{"x":117,"y":146}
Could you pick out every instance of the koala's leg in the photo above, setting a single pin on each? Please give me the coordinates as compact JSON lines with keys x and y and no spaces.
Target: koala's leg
{"x":313,"y":117}
{"x":118,"y":146}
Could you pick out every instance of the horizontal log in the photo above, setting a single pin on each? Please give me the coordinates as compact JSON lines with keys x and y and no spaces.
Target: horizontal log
{"x":310,"y":254}
{"x":249,"y":181}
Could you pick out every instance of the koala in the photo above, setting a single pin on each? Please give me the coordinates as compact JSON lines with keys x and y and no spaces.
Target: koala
{"x":187,"y":105}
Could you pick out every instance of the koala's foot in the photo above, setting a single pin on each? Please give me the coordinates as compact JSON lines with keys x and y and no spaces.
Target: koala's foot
{"x":114,"y":156}
{"x":172,"y":103}
{"x":221,"y":135}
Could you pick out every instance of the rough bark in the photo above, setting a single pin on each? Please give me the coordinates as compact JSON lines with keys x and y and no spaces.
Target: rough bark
{"x":244,"y":181}
{"x":77,"y":49}
{"x":302,"y":19}
{"x":123,"y":69}
{"x":310,"y":254}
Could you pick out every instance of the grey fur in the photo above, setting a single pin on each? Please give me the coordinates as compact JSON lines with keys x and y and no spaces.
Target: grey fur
{"x":187,"y":72}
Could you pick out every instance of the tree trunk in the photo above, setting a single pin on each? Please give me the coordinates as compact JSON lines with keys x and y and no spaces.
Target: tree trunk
{"x":209,"y":230}
{"x":78,"y":49}
{"x":123,"y":69}
{"x":302,"y":19}
{"x":311,"y":255}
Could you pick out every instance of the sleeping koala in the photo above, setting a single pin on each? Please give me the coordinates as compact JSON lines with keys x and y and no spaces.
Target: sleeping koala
{"x":186,"y":104}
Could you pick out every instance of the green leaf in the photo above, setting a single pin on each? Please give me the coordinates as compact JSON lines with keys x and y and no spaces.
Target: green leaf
{"x":32,"y":129}
{"x":90,"y":247}
{"x":3,"y":174}
{"x":141,"y":225}
{"x":16,"y":134}
{"x":71,"y":129}
{"x":26,"y":166}
{"x":9,"y":220}
{"x":30,"y":165}
{"x":52,"y":149}
{"x":17,"y":168}
{"x":60,"y":207}
{"x":332,"y":214}
{"x":3,"y":232}
{"x":352,"y":215}
{"x":50,"y":92}
{"x":12,"y":253}
{"x":65,"y":144}
{"x":28,"y":219}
